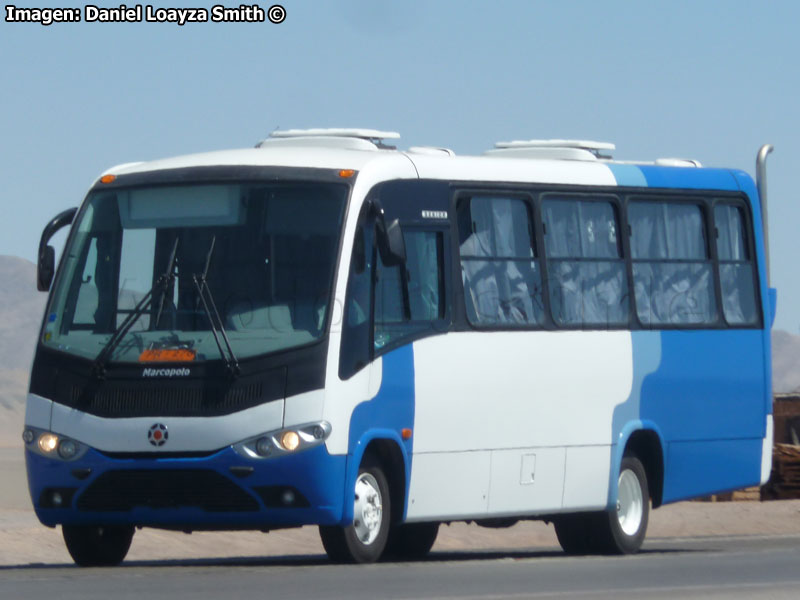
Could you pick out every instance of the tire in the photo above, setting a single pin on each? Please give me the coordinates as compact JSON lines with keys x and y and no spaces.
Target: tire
{"x":96,"y":545}
{"x":618,"y":531}
{"x":411,"y":541}
{"x":623,"y":530}
{"x":574,"y":533}
{"x":364,"y":540}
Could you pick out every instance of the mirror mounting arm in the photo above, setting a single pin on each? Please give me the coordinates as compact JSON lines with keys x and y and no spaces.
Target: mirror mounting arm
{"x":46,"y":266}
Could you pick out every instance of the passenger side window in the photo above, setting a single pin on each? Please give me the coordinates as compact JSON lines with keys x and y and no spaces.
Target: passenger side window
{"x":587,"y":275}
{"x":499,"y":268}
{"x":672,"y":276}
{"x":736,"y":271}
{"x":409,"y":298}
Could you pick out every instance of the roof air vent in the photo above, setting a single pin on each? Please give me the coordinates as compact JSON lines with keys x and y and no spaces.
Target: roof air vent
{"x":677,"y":162}
{"x":559,"y":149}
{"x":354,"y":139}
{"x":431,"y":151}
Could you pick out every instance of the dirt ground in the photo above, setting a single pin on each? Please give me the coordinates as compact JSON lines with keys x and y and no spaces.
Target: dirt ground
{"x":24,"y":541}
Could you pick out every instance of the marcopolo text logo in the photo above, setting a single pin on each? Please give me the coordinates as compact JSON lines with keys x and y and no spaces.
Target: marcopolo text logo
{"x":166,"y":372}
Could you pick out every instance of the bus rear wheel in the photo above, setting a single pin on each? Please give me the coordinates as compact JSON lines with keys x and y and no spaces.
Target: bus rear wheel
{"x":622,"y":530}
{"x":618,"y":531}
{"x":364,"y":540}
{"x":97,"y":545}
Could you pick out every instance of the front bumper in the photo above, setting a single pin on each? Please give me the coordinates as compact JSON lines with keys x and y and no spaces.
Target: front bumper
{"x":220,"y":491}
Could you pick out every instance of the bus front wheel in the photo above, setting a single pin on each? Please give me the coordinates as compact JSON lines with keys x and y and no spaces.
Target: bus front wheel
{"x":97,"y":546}
{"x":364,"y":540}
{"x":411,"y":541}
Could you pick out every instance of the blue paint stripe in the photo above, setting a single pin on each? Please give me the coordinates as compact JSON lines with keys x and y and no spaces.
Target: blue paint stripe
{"x":689,"y":178}
{"x":628,"y":175}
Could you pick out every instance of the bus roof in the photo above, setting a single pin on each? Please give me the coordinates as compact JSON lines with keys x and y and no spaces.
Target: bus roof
{"x":566,"y":162}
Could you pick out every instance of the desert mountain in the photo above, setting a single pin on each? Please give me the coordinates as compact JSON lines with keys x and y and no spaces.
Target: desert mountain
{"x":21,"y":309}
{"x":785,"y":361}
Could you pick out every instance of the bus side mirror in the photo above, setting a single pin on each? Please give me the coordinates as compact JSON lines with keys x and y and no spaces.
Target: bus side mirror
{"x":389,"y":237}
{"x":395,"y":253}
{"x":46,"y":267}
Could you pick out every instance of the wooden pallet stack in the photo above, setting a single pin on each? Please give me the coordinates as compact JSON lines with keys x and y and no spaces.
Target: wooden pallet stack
{"x":785,"y":481}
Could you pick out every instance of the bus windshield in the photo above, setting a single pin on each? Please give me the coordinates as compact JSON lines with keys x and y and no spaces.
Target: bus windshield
{"x":165,"y":258}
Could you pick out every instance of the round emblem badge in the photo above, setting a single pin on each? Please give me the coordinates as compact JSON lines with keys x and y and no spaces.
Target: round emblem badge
{"x":158,"y":435}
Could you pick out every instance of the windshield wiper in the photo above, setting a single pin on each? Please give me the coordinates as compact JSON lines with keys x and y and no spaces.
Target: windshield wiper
{"x":164,"y":281}
{"x":214,"y":319}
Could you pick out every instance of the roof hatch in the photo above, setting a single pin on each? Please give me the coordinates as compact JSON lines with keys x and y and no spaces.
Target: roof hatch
{"x":353,"y":139}
{"x":559,"y":149}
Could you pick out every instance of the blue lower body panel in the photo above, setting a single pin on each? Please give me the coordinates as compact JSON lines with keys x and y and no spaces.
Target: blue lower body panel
{"x":709,"y":467}
{"x":219,"y":491}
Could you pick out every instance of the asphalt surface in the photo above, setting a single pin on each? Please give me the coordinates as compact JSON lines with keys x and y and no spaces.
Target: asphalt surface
{"x":720,"y":567}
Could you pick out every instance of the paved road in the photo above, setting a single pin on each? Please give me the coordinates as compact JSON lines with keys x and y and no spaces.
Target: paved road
{"x":732,"y":567}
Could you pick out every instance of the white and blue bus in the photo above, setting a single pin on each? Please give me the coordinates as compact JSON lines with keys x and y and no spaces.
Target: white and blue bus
{"x":324,"y":330}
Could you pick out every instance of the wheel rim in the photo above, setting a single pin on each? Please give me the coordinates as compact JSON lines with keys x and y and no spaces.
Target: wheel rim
{"x":368,"y":512}
{"x":630,"y":503}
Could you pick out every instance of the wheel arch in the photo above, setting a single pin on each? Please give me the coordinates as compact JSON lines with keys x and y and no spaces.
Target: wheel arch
{"x":643,"y":440}
{"x":386,"y":448}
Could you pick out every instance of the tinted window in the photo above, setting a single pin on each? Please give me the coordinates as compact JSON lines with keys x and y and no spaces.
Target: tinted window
{"x":409,"y":297}
{"x":587,"y":277}
{"x":672,"y":274}
{"x":736,"y":271}
{"x":501,"y":275}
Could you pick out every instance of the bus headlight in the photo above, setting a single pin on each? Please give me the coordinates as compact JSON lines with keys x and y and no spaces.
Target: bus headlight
{"x":284,"y":441}
{"x":48,"y":442}
{"x":52,"y":445}
{"x":290,"y":440}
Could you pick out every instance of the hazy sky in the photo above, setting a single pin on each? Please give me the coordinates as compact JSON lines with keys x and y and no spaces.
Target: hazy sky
{"x":697,"y":79}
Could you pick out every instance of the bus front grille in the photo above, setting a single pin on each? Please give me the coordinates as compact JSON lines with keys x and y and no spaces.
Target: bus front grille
{"x":130,"y":397}
{"x":123,"y":490}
